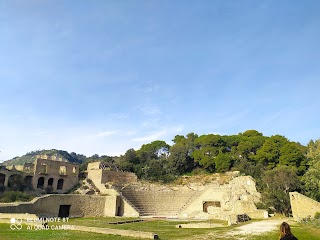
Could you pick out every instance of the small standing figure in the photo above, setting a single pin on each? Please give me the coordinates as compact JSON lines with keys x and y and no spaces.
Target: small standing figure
{"x":285,"y":232}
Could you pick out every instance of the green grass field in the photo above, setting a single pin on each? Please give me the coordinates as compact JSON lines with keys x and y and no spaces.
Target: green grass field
{"x":166,"y":230}
{"x":7,"y":234}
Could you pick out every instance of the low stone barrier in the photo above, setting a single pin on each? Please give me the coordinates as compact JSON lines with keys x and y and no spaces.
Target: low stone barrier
{"x":121,"y":232}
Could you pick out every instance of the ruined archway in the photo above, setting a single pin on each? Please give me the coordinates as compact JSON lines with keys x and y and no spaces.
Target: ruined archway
{"x":2,"y":179}
{"x":28,"y":181}
{"x":16,"y":183}
{"x":50,"y":182}
{"x":60,"y":184}
{"x":40,"y":183}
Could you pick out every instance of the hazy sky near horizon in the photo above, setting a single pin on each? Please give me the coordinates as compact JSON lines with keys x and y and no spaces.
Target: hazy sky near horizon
{"x":105,"y":76}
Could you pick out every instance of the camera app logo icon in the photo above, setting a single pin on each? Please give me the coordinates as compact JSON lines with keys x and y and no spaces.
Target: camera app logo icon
{"x":15,"y":223}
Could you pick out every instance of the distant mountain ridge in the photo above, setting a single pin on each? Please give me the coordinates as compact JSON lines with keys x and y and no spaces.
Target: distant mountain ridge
{"x":31,"y":157}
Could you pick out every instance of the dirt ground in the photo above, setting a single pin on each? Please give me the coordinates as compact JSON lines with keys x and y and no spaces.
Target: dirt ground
{"x":257,"y":228}
{"x":242,"y":232}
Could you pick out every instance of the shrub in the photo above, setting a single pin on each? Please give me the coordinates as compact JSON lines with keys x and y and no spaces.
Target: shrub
{"x":89,"y":181}
{"x":85,"y":187}
{"x":2,"y":188}
{"x":15,"y":196}
{"x":49,"y":189}
{"x":261,"y":205}
{"x":317,"y":215}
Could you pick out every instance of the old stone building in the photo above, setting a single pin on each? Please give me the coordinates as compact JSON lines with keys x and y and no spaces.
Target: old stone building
{"x":210,"y":200}
{"x":121,"y":194}
{"x":47,"y":173}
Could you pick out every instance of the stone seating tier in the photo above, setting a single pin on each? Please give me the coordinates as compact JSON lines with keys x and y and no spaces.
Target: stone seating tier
{"x":159,"y":202}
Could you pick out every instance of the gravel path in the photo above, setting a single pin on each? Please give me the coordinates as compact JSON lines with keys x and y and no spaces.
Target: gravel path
{"x":257,"y":228}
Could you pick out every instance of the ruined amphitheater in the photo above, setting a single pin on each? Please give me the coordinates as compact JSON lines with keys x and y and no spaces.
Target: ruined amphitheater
{"x":116,"y":193}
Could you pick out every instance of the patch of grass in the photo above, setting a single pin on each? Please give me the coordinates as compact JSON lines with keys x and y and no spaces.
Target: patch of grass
{"x":166,"y":230}
{"x":300,"y":231}
{"x":7,"y":234}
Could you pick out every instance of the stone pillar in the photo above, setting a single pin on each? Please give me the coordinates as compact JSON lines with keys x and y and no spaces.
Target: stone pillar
{"x":6,"y":180}
{"x":54,"y":185}
{"x":45,"y":183}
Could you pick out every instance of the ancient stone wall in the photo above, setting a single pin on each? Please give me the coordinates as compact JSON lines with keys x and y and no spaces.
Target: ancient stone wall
{"x":93,"y":166}
{"x":95,"y":175}
{"x":16,"y":207}
{"x":5,"y":175}
{"x":302,"y":206}
{"x":80,"y":206}
{"x":98,"y":175}
{"x":126,"y":209}
{"x":60,"y":176}
{"x":237,"y":197}
{"x":118,"y":177}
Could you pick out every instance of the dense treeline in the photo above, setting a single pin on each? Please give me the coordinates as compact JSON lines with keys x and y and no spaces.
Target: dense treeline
{"x":278,"y":165}
{"x":249,"y":152}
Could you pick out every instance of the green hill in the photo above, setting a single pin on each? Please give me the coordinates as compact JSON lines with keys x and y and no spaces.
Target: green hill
{"x":30,"y":157}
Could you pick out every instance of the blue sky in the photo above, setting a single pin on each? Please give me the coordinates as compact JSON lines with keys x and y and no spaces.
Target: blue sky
{"x":105,"y":76}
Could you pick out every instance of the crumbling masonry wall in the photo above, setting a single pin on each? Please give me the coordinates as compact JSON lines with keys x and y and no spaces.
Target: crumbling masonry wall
{"x":60,"y":176}
{"x":46,"y":174}
{"x":98,"y":175}
{"x":80,"y":206}
{"x":302,"y":206}
{"x":220,"y":202}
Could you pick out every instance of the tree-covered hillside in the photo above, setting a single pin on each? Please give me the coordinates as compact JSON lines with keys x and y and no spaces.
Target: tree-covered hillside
{"x":30,"y":157}
{"x":70,"y":157}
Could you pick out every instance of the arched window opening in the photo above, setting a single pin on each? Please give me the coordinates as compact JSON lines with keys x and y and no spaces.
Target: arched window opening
{"x":40,"y":182}
{"x":60,"y":184}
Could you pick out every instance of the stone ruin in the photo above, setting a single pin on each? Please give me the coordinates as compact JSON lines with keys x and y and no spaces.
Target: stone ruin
{"x":121,"y":194}
{"x":303,"y":207}
{"x":220,"y":198}
{"x":47,"y":173}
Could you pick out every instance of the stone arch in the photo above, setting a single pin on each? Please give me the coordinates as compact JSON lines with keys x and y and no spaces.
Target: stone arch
{"x":40,"y":183}
{"x":15,"y":182}
{"x":50,"y":182}
{"x":28,"y":180}
{"x":2,"y":179}
{"x":60,"y":184}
